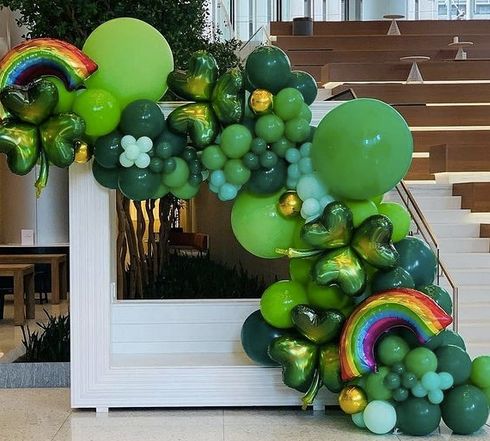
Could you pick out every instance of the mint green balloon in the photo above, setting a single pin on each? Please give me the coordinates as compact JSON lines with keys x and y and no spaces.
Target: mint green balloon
{"x":213,"y":157}
{"x":270,"y":128}
{"x":236,"y":172}
{"x":236,"y":140}
{"x":362,"y":149}
{"x":288,"y":103}
{"x":179,"y":176}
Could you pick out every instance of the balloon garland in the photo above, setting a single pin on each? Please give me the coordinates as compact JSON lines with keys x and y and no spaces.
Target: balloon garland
{"x":360,"y":314}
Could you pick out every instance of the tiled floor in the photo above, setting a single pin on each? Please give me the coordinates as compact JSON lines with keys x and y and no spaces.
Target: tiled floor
{"x":45,"y":415}
{"x":11,"y":335}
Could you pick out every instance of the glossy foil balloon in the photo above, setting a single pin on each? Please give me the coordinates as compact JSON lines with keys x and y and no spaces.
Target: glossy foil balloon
{"x":20,"y":142}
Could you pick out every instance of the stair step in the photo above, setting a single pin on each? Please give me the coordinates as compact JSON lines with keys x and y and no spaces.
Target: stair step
{"x":458,"y":230}
{"x":464,"y":245}
{"x":477,"y":349}
{"x":438,"y":202}
{"x":473,"y":294}
{"x":420,"y":189}
{"x":474,"y":332}
{"x":464,"y":277}
{"x":466,"y":260}
{"x":446,"y":216}
{"x":474,"y":312}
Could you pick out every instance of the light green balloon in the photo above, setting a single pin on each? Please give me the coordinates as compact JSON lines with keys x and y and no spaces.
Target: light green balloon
{"x":297,"y":130}
{"x":133,"y":60}
{"x":65,"y":97}
{"x":399,"y":217}
{"x":300,"y":270}
{"x":358,"y":420}
{"x":480,"y":372}
{"x":235,"y":172}
{"x":259,"y":227}
{"x":327,"y":297}
{"x":179,"y":176}
{"x":186,"y":191}
{"x":379,"y":417}
{"x":236,"y":140}
{"x":361,"y":210}
{"x":421,"y":360}
{"x":362,"y":148}
{"x":392,"y":349}
{"x":288,"y":103}
{"x":213,"y":157}
{"x":375,"y":388}
{"x":270,"y":128}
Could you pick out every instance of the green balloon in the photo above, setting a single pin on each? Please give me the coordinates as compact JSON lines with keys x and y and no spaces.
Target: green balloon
{"x":228,"y":97}
{"x":288,"y":103}
{"x":392,"y":349}
{"x":268,"y":67}
{"x":128,"y":67}
{"x":361,"y":210}
{"x":178,"y":177}
{"x":297,"y":130}
{"x":281,"y":147}
{"x":444,"y":338}
{"x":278,"y":301}
{"x":409,"y":336}
{"x":326,"y":297}
{"x":480,"y":372}
{"x":362,"y":148}
{"x":161,"y":191}
{"x":107,"y":150}
{"x":266,"y":181}
{"x":465,"y":409}
{"x":65,"y":97}
{"x":395,"y":278}
{"x":142,"y":118}
{"x":399,"y":217}
{"x":487,"y":394}
{"x":329,"y":367}
{"x":420,"y":361}
{"x":375,"y":388}
{"x":235,"y":141}
{"x":417,"y":259}
{"x":307,"y":115}
{"x":259,"y":227}
{"x":305,"y":83}
{"x":270,"y":128}
{"x":169,"y":144}
{"x":138,"y":184}
{"x":454,"y":360}
{"x":20,"y":142}
{"x":418,"y":417}
{"x":300,"y":270}
{"x":186,"y":191}
{"x":236,"y":172}
{"x":107,"y":177}
{"x":213,"y":157}
{"x":439,"y":295}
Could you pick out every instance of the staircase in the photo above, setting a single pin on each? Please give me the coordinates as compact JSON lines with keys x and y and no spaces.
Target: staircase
{"x":465,"y":255}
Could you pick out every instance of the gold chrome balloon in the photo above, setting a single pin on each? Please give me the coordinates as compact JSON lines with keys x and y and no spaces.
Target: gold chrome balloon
{"x":352,"y":399}
{"x":261,"y":101}
{"x":289,"y":204}
{"x":83,"y":152}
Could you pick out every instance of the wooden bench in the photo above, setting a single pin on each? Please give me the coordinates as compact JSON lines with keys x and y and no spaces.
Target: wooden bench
{"x":23,"y":277}
{"x":474,"y":196}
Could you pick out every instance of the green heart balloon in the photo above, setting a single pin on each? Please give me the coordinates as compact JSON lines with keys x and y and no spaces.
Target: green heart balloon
{"x":197,"y":83}
{"x":329,"y":367}
{"x":372,"y":241}
{"x":342,"y":267}
{"x":228,"y":101}
{"x":20,"y":142}
{"x":197,"y":120}
{"x":298,"y":359}
{"x":58,"y":135}
{"x":32,"y":103}
{"x":317,"y":326}
{"x":333,"y":229}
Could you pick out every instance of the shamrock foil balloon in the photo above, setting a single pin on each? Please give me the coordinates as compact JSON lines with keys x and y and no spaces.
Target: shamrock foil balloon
{"x":32,"y":133}
{"x":218,"y":101}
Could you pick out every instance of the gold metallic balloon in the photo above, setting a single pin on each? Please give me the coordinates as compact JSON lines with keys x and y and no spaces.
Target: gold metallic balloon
{"x":83,"y":152}
{"x":261,"y":101}
{"x":352,"y":399}
{"x":289,"y":204}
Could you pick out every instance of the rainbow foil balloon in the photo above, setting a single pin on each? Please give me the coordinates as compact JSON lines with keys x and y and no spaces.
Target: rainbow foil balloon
{"x":379,"y":313}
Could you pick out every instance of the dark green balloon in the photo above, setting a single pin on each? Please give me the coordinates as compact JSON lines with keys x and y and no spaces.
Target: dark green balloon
{"x":138,"y":184}
{"x":268,"y":181}
{"x":107,"y":149}
{"x":305,"y":83}
{"x":317,"y":326}
{"x":142,"y":118}
{"x":396,"y":278}
{"x":174,"y":144}
{"x":417,"y":416}
{"x":418,"y":260}
{"x":465,"y":409}
{"x":256,"y":337}
{"x":444,"y":338}
{"x":268,"y":67}
{"x":20,"y":142}
{"x":329,"y":367}
{"x":439,"y":295}
{"x":454,"y":360}
{"x":107,"y":177}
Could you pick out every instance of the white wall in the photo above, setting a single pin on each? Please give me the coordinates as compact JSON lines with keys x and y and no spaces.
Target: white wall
{"x":376,"y":9}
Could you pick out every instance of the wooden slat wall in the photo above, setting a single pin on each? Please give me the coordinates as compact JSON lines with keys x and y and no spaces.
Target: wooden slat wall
{"x":420,"y":116}
{"x":424,"y":140}
{"x":474,"y":195}
{"x":459,"y":158}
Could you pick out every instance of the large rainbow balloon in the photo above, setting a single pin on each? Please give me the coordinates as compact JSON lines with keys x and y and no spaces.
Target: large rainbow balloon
{"x":379,"y":313}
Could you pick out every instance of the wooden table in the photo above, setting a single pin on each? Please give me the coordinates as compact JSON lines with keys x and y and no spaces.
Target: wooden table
{"x":23,"y":276}
{"x":58,"y":270}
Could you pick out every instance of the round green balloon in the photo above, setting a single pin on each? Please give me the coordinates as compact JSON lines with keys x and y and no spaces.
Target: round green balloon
{"x":99,"y":109}
{"x":307,"y":115}
{"x":327,"y":297}
{"x":142,"y":118}
{"x":305,"y":83}
{"x":480,"y":372}
{"x":417,"y":259}
{"x":444,"y":338}
{"x":65,"y":97}
{"x":395,"y":278}
{"x":288,"y":103}
{"x":179,"y":176}
{"x":137,"y":183}
{"x":268,"y":67}
{"x":392,"y":349}
{"x":418,"y":417}
{"x":259,"y":227}
{"x":361,"y":210}
{"x":487,"y":394}
{"x":420,"y":361}
{"x":399,"y":217}
{"x":282,"y":146}
{"x":300,"y":270}
{"x":235,"y":141}
{"x":107,"y":149}
{"x":454,"y":360}
{"x":439,"y":295}
{"x":375,"y":387}
{"x":168,"y":143}
{"x":297,"y":130}
{"x":236,"y":172}
{"x":465,"y":409}
{"x":133,"y":60}
{"x":378,"y":199}
{"x":270,"y":128}
{"x":278,"y":301}
{"x":268,"y":180}
{"x":362,"y":148}
{"x":186,"y":191}
{"x":161,"y":191}
{"x":107,"y":177}
{"x":213,"y":157}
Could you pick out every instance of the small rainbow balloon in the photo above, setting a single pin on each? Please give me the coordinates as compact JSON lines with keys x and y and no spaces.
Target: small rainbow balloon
{"x":379,"y":313}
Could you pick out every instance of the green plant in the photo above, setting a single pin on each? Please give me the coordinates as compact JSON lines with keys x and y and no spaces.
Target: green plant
{"x":184,"y":23}
{"x":51,"y":344}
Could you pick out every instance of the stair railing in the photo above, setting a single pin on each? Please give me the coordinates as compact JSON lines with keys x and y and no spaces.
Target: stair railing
{"x":423,"y":228}
{"x":259,"y":38}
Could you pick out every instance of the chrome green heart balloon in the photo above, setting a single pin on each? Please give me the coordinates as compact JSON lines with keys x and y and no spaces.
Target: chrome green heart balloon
{"x":32,"y":103}
{"x":329,"y":367}
{"x":342,"y":267}
{"x":298,"y":359}
{"x":20,"y":142}
{"x":333,"y":229}
{"x":372,"y":241}
{"x":228,"y":98}
{"x":317,"y":326}
{"x":197,"y":83}
{"x":58,"y":136}
{"x":197,"y":120}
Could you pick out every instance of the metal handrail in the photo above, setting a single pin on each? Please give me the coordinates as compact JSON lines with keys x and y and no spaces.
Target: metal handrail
{"x":262,"y":29}
{"x":425,"y":230}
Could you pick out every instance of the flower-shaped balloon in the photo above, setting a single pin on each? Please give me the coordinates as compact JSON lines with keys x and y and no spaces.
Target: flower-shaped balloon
{"x":32,"y":133}
{"x":217,"y":100}
{"x":135,"y":151}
